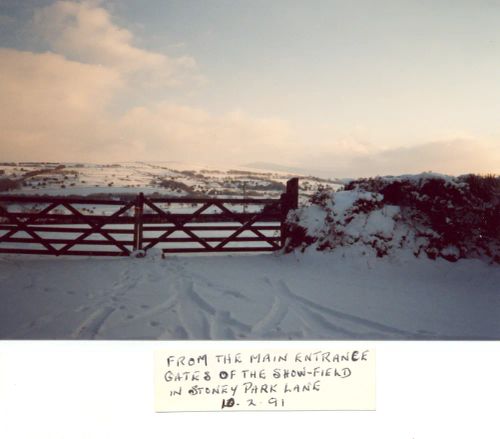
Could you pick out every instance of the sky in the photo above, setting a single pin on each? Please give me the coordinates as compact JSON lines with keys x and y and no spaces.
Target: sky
{"x":339,"y":88}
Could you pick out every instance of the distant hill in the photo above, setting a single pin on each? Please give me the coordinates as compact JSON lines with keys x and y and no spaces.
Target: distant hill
{"x":267,"y":166}
{"x":323,"y":173}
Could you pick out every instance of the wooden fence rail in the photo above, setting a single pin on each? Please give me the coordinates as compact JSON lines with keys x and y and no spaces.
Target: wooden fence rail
{"x":99,"y":227}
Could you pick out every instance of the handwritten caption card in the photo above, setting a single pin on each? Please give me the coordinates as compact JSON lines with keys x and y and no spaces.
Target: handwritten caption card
{"x":264,"y":380}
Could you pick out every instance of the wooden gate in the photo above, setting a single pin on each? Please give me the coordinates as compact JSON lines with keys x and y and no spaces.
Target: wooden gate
{"x":106,"y":227}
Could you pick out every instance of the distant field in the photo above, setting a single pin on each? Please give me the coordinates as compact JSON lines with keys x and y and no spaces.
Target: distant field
{"x":167,"y":179}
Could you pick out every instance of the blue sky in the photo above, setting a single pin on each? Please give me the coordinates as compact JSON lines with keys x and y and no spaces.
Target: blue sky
{"x":343,"y":87}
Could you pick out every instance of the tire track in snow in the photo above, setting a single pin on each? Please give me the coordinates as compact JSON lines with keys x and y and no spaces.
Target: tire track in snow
{"x":277,"y":313}
{"x":93,"y":324}
{"x":316,"y":314}
{"x":210,"y":323}
{"x":193,"y":311}
{"x":192,"y":316}
{"x":319,"y":324}
{"x":285,"y":304}
{"x":199,"y":319}
{"x":221,"y":325}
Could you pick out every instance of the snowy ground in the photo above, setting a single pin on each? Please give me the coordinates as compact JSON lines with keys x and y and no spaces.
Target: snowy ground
{"x":307,"y":296}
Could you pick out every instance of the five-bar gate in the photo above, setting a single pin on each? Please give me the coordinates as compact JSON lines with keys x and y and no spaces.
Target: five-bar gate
{"x":106,"y":227}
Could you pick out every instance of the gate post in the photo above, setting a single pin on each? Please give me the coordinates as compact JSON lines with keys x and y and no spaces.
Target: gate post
{"x":289,"y":201}
{"x":138,"y":210}
{"x":292,"y":191}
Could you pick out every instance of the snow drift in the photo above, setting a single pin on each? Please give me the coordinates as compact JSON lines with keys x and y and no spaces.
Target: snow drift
{"x":427,"y":214}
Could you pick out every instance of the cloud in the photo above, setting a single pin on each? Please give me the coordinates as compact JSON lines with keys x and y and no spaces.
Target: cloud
{"x":72,"y":104}
{"x":84,"y":32}
{"x":453,"y":156}
{"x":182,"y":132}
{"x":52,"y":105}
{"x":62,"y":105}
{"x":57,"y":109}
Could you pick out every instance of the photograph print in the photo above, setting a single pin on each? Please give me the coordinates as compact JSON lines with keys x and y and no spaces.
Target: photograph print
{"x":232,"y":170}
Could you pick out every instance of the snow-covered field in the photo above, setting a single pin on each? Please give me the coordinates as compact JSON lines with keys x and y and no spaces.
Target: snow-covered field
{"x":309,"y":296}
{"x":159,"y":178}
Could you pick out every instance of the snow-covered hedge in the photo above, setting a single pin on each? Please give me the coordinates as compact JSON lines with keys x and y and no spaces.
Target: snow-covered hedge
{"x":439,"y":216}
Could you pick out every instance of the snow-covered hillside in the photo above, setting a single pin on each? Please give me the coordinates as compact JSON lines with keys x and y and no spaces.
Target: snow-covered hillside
{"x":160,"y":178}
